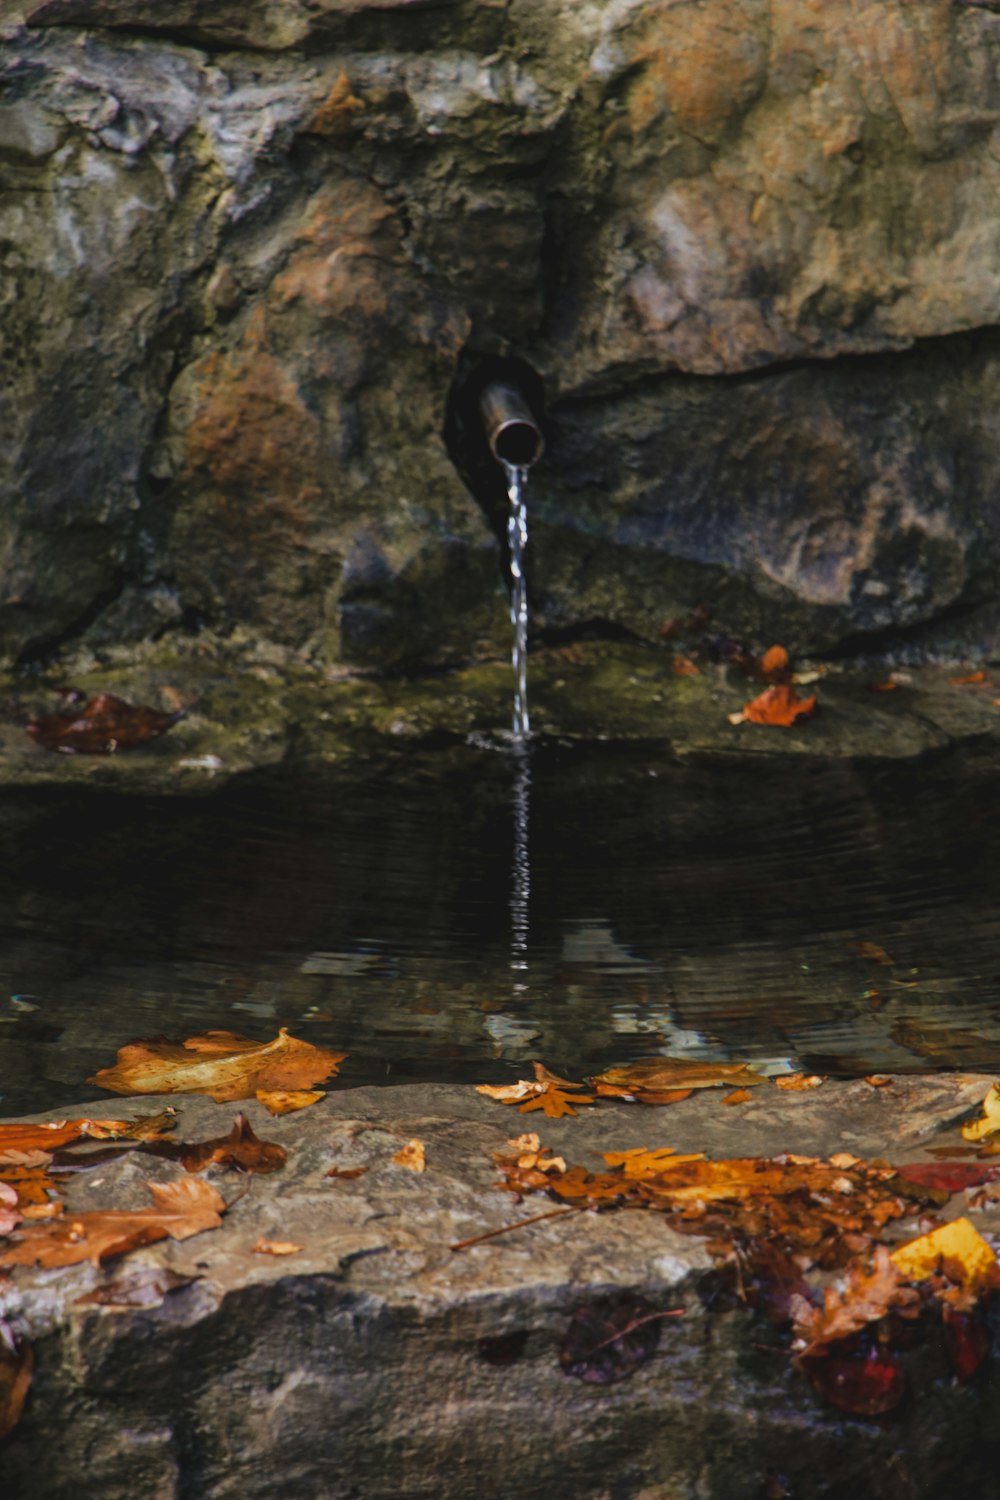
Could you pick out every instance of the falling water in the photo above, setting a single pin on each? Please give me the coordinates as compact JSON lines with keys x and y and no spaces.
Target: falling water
{"x":517,"y":539}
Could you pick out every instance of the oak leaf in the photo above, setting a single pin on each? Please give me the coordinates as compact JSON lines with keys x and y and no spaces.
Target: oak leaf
{"x":548,"y":1092}
{"x":220,"y":1064}
{"x":866,"y":1297}
{"x":104,"y":724}
{"x":781,"y":705}
{"x":181,"y":1209}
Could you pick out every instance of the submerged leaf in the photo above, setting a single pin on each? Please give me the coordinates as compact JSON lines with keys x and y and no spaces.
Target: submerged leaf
{"x":863,"y":1379}
{"x":608,"y":1341}
{"x":104,"y":724}
{"x":220,"y":1064}
{"x":17,"y":1363}
{"x":182,"y":1209}
{"x":146,"y":1287}
{"x":958,"y":1250}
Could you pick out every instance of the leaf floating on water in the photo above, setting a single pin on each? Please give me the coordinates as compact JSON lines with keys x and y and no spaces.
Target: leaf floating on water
{"x":147,"y":1287}
{"x":182,"y":1209}
{"x":608,"y":1341}
{"x":103,"y":725}
{"x":780,"y":705}
{"x":220,"y":1064}
{"x":411,"y":1156}
{"x":666,"y":1080}
{"x":17,"y":1364}
{"x":285,"y":1101}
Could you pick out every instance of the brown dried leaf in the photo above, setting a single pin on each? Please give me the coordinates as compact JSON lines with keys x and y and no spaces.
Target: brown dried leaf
{"x":241,"y":1148}
{"x":347,"y":1173}
{"x":220,"y":1064}
{"x":797,"y":1083}
{"x":867,"y":1297}
{"x":284,"y":1101}
{"x":182,"y":1209}
{"x":548,"y":1092}
{"x":738,"y":1096}
{"x":264,"y":1246}
{"x":15,"y":1138}
{"x":664,"y":1075}
{"x":104,"y":724}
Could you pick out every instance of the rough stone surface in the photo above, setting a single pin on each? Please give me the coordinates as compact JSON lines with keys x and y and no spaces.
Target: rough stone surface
{"x":361,"y":1366}
{"x":749,"y":249}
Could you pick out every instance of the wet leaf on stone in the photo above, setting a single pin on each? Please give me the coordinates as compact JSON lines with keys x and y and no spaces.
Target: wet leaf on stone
{"x":553,"y":1095}
{"x":17,"y":1363}
{"x":798,"y":1083}
{"x":950,"y":1176}
{"x":220,"y":1064}
{"x":104,"y":724}
{"x":146,"y":1287}
{"x":957,"y":1250}
{"x":866,"y":1298}
{"x":182,"y":1209}
{"x":608,"y":1341}
{"x":989,"y":1121}
{"x":16,"y":1138}
{"x":285,"y":1101}
{"x":265,"y":1246}
{"x":411,"y":1156}
{"x":240,"y":1148}
{"x":347,"y":1173}
{"x":779,"y":705}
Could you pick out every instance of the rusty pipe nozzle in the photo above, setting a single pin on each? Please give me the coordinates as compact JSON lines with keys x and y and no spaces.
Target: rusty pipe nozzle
{"x":511,"y":430}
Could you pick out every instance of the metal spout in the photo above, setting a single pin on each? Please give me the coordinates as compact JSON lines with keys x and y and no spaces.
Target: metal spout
{"x":511,"y":430}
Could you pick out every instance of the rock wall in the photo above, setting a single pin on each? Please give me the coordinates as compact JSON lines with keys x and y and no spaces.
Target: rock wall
{"x":751,"y":249}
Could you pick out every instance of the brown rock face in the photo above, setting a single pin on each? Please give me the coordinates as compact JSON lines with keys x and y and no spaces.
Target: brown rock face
{"x":750,"y":250}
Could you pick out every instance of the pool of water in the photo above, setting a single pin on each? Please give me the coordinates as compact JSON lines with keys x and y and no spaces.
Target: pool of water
{"x":454,"y":913}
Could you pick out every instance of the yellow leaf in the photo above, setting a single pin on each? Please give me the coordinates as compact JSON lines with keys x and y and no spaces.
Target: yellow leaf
{"x":989,"y":1121}
{"x":411,"y":1156}
{"x":284,"y":1101}
{"x":958,"y":1249}
{"x":638,"y":1163}
{"x":264,"y":1246}
{"x":220,"y":1064}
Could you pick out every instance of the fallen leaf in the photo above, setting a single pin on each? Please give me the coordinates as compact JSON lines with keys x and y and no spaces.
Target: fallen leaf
{"x":146,"y":1287}
{"x":15,"y":1138}
{"x":871,"y":951}
{"x":639,"y":1163}
{"x":738,"y":1096}
{"x":866,"y":1297}
{"x":860,"y":1378}
{"x":683,"y":666}
{"x":989,"y":1122}
{"x":968,"y":679}
{"x":220,"y":1064}
{"x":411,"y":1156}
{"x":775,"y":660}
{"x":104,"y":724}
{"x":264,"y":1246}
{"x":668,"y":1076}
{"x":347,"y":1173}
{"x":878,"y":1080}
{"x":958,"y":1250}
{"x":967,"y":1340}
{"x":949,"y":1176}
{"x":553,"y":1095}
{"x":182,"y":1209}
{"x":779,"y":704}
{"x":797,"y":1083}
{"x":284,"y":1101}
{"x":241,"y":1148}
{"x":888,"y":686}
{"x":609,"y":1340}
{"x":17,"y":1363}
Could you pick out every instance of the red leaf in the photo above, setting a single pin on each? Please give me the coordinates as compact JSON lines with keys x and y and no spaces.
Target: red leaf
{"x":867,"y":1381}
{"x":950,"y":1176}
{"x":779,"y":705}
{"x":104,"y":724}
{"x":966,"y":1340}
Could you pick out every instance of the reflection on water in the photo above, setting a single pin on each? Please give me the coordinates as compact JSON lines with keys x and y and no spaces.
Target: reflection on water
{"x":842,"y":920}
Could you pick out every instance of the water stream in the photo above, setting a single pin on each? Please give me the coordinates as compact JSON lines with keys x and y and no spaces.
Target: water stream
{"x":517,"y":539}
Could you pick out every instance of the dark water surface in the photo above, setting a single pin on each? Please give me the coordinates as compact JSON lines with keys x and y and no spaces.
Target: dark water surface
{"x":719,"y":912}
